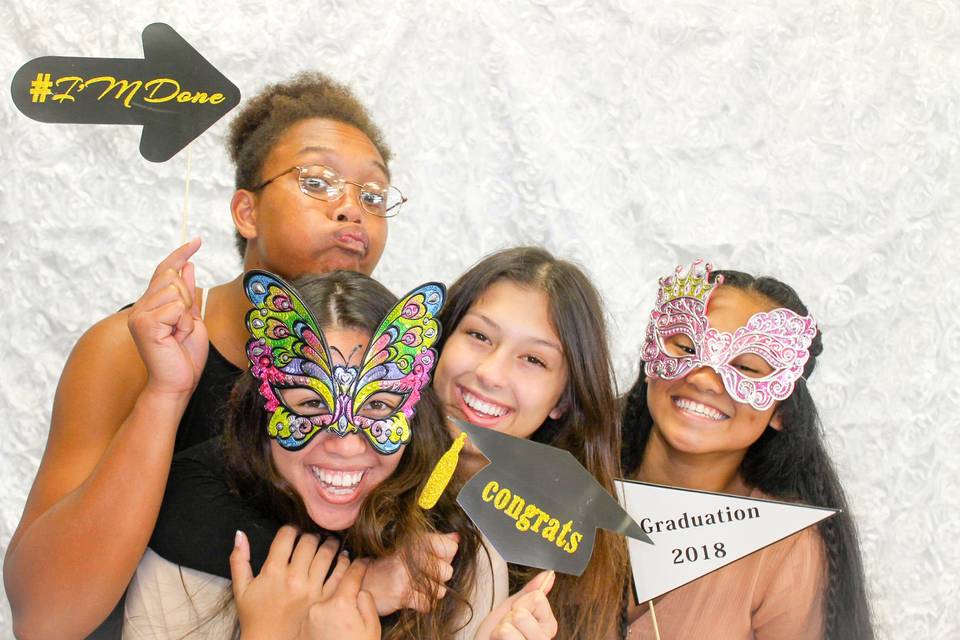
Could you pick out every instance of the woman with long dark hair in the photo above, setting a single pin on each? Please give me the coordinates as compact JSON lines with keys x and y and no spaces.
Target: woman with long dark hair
{"x":525,"y":353}
{"x":746,"y":424}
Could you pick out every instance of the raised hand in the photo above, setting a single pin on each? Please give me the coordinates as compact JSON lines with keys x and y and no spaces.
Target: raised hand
{"x":166,"y":326}
{"x":526,"y":615}
{"x":388,"y":580}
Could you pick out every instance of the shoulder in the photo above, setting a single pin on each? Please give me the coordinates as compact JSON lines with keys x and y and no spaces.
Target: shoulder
{"x":100,"y":382}
{"x":802,"y":554}
{"x":107,"y":346}
{"x":804,"y":546}
{"x":111,"y":332}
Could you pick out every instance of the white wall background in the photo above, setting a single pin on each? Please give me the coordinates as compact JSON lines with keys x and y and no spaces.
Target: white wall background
{"x":815,"y":140}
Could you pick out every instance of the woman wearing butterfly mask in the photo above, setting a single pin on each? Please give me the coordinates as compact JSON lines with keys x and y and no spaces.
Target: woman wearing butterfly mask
{"x":722,"y":404}
{"x":525,"y":353}
{"x":323,"y":435}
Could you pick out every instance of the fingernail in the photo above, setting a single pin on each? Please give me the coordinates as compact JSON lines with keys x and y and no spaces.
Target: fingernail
{"x":547,"y":580}
{"x":237,"y":538}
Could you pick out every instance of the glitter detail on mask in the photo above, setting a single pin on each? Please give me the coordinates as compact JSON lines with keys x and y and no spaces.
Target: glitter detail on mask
{"x":781,"y":337}
{"x":287,"y":350}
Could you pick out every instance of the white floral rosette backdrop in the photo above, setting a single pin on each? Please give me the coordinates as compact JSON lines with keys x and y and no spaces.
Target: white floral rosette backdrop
{"x":814,"y":141}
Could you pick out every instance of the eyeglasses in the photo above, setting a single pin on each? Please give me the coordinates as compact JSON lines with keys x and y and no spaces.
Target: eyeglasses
{"x":323,"y":183}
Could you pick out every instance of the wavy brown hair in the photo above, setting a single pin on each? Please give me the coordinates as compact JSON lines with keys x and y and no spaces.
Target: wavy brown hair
{"x":390,"y":521}
{"x":589,"y":605}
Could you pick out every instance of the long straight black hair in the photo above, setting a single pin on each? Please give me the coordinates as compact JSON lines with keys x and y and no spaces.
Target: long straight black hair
{"x":791,"y":464}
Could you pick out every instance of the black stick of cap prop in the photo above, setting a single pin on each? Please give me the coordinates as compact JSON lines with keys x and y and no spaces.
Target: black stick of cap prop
{"x":536,"y":503}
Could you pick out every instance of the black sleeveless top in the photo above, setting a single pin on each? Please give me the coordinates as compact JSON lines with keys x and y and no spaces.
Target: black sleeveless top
{"x":200,"y":515}
{"x":203,"y":418}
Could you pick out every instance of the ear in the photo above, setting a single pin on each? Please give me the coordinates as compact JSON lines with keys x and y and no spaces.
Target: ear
{"x":243,"y":207}
{"x":776,"y":422}
{"x":557,"y":412}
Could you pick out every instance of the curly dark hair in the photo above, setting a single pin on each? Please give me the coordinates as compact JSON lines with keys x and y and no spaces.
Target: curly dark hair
{"x":264,"y":118}
{"x":791,"y":464}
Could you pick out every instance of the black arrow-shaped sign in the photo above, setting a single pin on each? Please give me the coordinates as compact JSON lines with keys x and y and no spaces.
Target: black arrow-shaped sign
{"x":172,"y":91}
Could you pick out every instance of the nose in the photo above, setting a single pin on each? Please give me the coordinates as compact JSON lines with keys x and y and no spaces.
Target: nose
{"x":348,"y":446}
{"x":491,"y":371}
{"x":347,"y":208}
{"x":706,"y":379}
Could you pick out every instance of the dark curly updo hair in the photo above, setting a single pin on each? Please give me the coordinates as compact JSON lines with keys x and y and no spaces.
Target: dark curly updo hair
{"x":265,"y":117}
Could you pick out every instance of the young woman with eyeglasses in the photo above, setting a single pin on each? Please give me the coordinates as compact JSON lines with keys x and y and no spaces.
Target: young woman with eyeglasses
{"x":300,"y":149}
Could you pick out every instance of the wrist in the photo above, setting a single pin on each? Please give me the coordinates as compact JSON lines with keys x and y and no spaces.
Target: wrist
{"x":374,"y":584}
{"x":159,"y":401}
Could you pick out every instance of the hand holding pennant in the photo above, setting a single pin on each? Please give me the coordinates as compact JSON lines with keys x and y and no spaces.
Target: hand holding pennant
{"x":537,"y":504}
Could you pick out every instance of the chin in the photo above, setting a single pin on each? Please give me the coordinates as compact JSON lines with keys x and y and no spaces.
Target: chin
{"x":333,"y":519}
{"x":685,"y":440}
{"x":342,"y":260}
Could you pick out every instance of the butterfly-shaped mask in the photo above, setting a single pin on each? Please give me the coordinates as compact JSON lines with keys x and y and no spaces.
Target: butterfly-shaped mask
{"x":287,"y":351}
{"x":780,"y":337}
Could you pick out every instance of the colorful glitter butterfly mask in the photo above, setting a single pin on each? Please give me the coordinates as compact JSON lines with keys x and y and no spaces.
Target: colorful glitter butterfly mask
{"x":287,"y":350}
{"x":781,"y":337}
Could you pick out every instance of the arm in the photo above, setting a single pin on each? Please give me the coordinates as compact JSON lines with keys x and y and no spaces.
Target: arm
{"x":198,"y":505}
{"x":95,"y":498}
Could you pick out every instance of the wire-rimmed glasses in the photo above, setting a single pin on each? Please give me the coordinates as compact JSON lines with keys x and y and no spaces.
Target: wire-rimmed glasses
{"x":323,"y":183}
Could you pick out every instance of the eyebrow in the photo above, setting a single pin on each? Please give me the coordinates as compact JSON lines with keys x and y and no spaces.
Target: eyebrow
{"x":318,"y":149}
{"x":535,"y":340}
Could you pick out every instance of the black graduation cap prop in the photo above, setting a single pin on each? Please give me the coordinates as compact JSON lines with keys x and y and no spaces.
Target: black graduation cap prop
{"x":172,"y":91}
{"x":537,"y":504}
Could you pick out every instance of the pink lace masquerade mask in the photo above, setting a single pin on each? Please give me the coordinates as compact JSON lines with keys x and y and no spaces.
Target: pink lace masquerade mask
{"x":290,"y":357}
{"x":781,"y":337}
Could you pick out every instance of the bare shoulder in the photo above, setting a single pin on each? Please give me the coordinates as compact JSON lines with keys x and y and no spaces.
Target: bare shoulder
{"x":105,"y":357}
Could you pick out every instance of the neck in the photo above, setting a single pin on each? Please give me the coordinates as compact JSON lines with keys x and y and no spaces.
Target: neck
{"x":717,"y":472}
{"x":227,"y":308}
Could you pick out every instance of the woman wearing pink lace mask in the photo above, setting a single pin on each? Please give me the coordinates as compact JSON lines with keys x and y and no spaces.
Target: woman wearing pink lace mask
{"x":721,"y":404}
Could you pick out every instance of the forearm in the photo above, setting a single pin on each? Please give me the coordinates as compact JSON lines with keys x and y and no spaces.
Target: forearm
{"x":72,"y":563}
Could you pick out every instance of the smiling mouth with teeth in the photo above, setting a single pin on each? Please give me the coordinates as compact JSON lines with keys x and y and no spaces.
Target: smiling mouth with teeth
{"x":338,"y":482}
{"x":482,"y":407}
{"x":699,"y":409}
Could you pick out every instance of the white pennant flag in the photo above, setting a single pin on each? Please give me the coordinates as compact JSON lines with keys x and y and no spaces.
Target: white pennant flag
{"x":696,"y":532}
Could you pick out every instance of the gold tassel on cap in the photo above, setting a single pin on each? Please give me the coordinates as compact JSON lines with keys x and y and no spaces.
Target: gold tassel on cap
{"x":441,"y":474}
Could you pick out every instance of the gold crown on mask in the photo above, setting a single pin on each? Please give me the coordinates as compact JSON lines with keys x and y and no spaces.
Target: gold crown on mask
{"x":695,"y":284}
